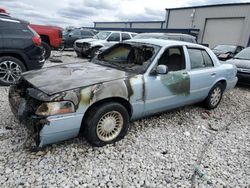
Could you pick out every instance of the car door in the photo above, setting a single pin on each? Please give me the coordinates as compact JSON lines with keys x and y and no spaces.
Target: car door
{"x":202,"y":73}
{"x":73,"y":36}
{"x":125,"y":36}
{"x":114,"y":38}
{"x":86,"y":34}
{"x":170,"y":90}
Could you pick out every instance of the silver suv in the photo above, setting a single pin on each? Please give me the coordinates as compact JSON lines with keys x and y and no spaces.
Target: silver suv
{"x":90,"y":46}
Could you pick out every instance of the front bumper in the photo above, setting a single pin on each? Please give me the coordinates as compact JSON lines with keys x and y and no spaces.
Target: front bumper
{"x":82,"y":50}
{"x":44,"y":130}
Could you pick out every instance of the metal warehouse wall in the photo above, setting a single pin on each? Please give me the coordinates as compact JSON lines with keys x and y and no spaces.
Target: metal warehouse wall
{"x":132,"y":24}
{"x":203,"y":17}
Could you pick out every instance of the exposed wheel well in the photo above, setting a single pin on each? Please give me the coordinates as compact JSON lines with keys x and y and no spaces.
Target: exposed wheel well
{"x":19,"y":57}
{"x":122,"y":101}
{"x":224,"y":83}
{"x":45,"y":38}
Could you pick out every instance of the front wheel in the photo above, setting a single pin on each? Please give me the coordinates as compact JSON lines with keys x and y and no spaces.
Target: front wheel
{"x":106,"y":124}
{"x":214,"y":97}
{"x":93,"y":52}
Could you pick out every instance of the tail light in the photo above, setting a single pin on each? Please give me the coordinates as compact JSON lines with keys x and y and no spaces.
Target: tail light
{"x":37,"y":40}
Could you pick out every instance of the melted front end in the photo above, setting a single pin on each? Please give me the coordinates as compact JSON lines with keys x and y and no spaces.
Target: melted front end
{"x":24,"y":107}
{"x":49,"y":118}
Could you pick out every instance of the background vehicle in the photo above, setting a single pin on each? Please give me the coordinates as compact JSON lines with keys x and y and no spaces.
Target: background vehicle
{"x":242,"y":62}
{"x":130,"y":80}
{"x":90,"y":46}
{"x":167,"y":36}
{"x":72,"y":36}
{"x":224,"y":52}
{"x":19,"y":49}
{"x":51,"y":37}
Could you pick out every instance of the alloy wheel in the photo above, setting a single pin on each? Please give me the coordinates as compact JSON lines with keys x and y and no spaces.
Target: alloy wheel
{"x":10,"y":71}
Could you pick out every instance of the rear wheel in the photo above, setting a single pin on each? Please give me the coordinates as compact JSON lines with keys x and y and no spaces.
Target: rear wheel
{"x":46,"y":50}
{"x":214,"y":97}
{"x":10,"y":70}
{"x":106,"y":124}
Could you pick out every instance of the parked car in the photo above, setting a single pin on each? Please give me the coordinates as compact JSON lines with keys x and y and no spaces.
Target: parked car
{"x":225,"y":52}
{"x":20,"y":49}
{"x":242,"y":62}
{"x":90,"y":46}
{"x":167,"y":36}
{"x":51,"y":37}
{"x":130,"y":80}
{"x":78,"y":33}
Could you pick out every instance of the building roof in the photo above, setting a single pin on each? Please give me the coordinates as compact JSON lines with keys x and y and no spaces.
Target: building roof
{"x":132,"y":22}
{"x":207,"y":6}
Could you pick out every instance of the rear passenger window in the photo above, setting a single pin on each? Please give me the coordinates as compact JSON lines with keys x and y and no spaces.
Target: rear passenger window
{"x":125,"y":36}
{"x":199,"y":58}
{"x":207,"y":59}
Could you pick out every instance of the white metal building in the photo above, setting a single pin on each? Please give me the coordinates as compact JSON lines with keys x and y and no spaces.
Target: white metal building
{"x":217,"y":24}
{"x":212,"y":24}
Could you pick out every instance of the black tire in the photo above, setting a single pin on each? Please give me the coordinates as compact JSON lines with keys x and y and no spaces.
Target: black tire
{"x":210,"y":102}
{"x":4,"y":62}
{"x":46,"y":50}
{"x":61,"y":47}
{"x":93,"y":52}
{"x":98,"y":113}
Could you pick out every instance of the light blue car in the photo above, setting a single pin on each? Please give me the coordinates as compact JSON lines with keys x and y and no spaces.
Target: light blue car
{"x":128,"y":81}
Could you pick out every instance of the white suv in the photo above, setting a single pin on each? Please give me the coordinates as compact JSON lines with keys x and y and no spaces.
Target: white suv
{"x":89,"y":47}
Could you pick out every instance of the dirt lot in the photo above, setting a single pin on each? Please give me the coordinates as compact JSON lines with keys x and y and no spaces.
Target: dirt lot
{"x":159,"y":151}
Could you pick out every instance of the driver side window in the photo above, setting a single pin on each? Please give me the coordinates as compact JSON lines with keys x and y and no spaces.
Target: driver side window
{"x":173,"y":58}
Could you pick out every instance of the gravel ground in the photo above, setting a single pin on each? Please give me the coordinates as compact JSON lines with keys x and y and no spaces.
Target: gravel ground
{"x":159,"y":151}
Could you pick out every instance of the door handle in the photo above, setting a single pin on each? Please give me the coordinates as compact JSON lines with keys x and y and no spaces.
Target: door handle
{"x":213,"y":74}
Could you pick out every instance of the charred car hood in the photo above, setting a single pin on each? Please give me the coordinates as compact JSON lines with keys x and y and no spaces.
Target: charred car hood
{"x":65,"y":77}
{"x":240,"y":63}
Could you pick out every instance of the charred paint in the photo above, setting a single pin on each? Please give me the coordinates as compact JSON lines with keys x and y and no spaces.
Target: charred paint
{"x":67,"y":77}
{"x":129,"y":88}
{"x":85,"y":96}
{"x":178,"y":82}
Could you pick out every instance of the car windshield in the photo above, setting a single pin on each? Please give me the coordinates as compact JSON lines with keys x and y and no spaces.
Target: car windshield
{"x":131,"y":57}
{"x":244,"y":54}
{"x":225,"y":48}
{"x":102,"y":35}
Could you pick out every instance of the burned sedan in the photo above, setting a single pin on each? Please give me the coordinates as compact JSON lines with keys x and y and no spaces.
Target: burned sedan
{"x":128,"y":81}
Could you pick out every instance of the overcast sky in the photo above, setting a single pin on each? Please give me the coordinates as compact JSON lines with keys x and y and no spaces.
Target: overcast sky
{"x":85,"y":12}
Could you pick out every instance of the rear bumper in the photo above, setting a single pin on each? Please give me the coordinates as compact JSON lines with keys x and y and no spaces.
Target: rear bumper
{"x":34,"y":58}
{"x":244,"y":78}
{"x":44,"y":130}
{"x":231,"y":83}
{"x":36,"y":64}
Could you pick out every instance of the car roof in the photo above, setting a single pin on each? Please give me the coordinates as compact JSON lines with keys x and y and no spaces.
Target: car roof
{"x":163,"y":42}
{"x":8,"y":18}
{"x":167,"y":34}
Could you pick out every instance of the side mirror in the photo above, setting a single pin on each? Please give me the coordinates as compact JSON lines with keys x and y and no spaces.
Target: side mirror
{"x":161,"y":69}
